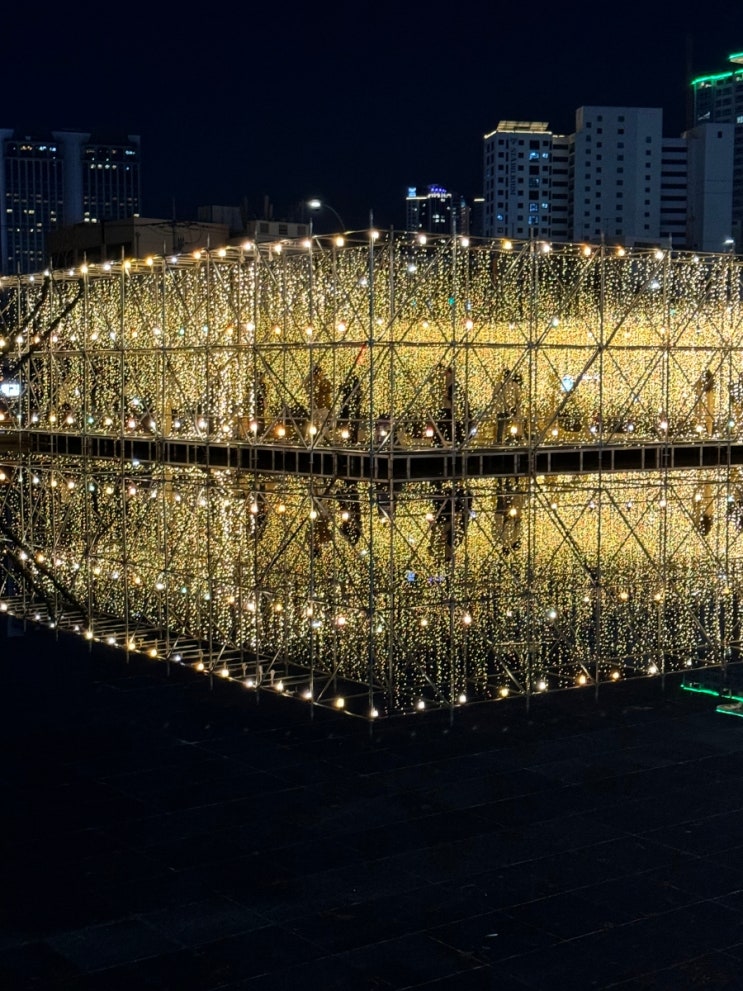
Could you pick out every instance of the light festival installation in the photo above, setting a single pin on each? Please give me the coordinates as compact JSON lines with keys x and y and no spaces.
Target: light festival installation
{"x":381,"y":472}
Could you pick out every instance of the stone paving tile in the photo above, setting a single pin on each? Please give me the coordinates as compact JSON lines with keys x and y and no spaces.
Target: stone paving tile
{"x":704,"y":878}
{"x":735,"y":950}
{"x":638,"y":895}
{"x":568,"y":915}
{"x":100,"y":947}
{"x":433,"y":905}
{"x":419,"y":832}
{"x":733,"y":899}
{"x":34,"y":964}
{"x":478,"y":979}
{"x":325,"y":974}
{"x":409,"y":960}
{"x":678,"y":806}
{"x":711,"y":835}
{"x":491,"y":936}
{"x":282,"y":896}
{"x":169,"y":888}
{"x":562,"y":835}
{"x":711,"y":970}
{"x":181,"y":970}
{"x":365,"y":922}
{"x":203,"y":921}
{"x":600,"y":959}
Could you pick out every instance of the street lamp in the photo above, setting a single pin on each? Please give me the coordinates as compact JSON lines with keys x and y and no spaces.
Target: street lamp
{"x":729,"y":244}
{"x":316,"y":205}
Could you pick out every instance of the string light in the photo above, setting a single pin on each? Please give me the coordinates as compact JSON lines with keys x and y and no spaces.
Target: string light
{"x":477,"y":581}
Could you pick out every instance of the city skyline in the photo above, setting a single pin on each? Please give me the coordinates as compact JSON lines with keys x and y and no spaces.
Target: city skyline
{"x":349,"y":106}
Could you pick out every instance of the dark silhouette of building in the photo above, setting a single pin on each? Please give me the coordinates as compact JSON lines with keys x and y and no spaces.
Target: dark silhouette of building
{"x":48,"y":181}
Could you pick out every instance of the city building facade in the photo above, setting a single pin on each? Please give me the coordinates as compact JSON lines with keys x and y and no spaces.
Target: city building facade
{"x":242,"y":228}
{"x":616,"y":154}
{"x":718,"y":99}
{"x":132,"y":237}
{"x":615,"y":178}
{"x":518,"y":168}
{"x":435,"y":211}
{"x":58,"y":179}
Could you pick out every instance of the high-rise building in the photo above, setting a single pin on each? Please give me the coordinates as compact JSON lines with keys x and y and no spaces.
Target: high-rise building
{"x":58,"y":179}
{"x":718,"y":99}
{"x":711,"y":186}
{"x":616,"y":177}
{"x":435,"y":211}
{"x":518,"y":170}
{"x":616,"y":155}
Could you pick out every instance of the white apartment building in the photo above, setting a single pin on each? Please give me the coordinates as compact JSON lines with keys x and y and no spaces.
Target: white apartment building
{"x":615,"y":169}
{"x":518,"y":175}
{"x":711,"y":185}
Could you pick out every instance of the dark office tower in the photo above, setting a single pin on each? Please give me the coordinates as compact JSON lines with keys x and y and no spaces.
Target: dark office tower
{"x":32,"y":197}
{"x":435,"y":211}
{"x":110,"y":178}
{"x":61,"y":178}
{"x":718,"y":99}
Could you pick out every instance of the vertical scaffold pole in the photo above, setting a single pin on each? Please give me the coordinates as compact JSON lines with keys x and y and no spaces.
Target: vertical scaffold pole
{"x":371,"y":625}
{"x":599,"y":593}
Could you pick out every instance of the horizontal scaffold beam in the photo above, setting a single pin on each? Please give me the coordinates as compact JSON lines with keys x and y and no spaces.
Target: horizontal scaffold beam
{"x":394,"y":466}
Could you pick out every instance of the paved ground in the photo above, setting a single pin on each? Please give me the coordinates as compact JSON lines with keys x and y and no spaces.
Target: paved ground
{"x":161,"y":835}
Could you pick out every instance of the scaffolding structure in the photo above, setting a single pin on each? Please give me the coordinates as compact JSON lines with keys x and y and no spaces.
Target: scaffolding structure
{"x":381,"y":472}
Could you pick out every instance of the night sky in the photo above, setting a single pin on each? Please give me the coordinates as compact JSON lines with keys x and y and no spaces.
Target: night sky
{"x":348,"y":102}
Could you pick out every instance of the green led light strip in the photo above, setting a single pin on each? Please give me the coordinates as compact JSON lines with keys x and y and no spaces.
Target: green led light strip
{"x":711,"y":691}
{"x":716,"y":77}
{"x":727,"y":711}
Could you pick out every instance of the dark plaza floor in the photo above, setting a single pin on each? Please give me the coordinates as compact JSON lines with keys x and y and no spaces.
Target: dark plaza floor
{"x":159,"y":834}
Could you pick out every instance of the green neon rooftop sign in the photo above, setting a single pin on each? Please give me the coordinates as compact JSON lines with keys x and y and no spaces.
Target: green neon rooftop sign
{"x":735,"y":57}
{"x":712,"y":79}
